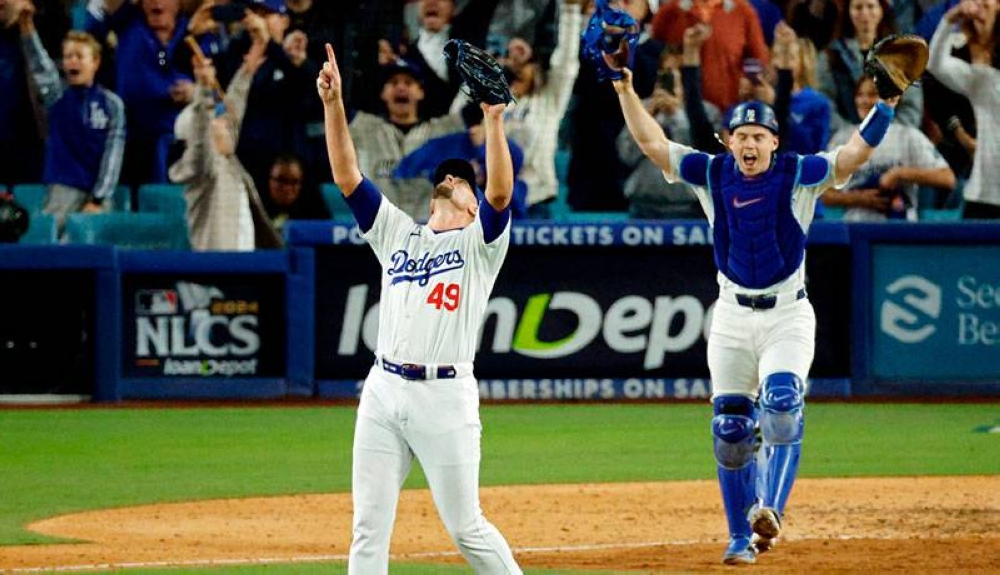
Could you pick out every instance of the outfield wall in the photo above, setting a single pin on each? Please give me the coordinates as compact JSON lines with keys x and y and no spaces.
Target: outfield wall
{"x":599,"y":311}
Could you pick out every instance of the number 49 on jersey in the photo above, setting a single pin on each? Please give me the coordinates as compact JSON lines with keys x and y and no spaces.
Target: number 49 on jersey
{"x":445,"y":296}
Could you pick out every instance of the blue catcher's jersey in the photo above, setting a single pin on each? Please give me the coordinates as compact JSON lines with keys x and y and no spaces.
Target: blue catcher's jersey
{"x":758,"y":241}
{"x":759,"y":224}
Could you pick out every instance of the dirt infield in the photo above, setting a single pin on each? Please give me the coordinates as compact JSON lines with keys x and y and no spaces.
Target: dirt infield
{"x":901,"y":525}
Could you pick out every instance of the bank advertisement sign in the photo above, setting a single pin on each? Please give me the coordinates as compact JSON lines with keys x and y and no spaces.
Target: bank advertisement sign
{"x":576,"y":312}
{"x":936,"y":312}
{"x":203,"y":326}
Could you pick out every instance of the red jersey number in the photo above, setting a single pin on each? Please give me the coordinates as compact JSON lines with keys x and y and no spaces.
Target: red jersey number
{"x":444,"y":296}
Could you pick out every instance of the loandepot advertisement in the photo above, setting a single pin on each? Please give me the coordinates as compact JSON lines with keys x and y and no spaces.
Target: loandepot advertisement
{"x":936,"y":312}
{"x":198,"y":327}
{"x":585,"y":312}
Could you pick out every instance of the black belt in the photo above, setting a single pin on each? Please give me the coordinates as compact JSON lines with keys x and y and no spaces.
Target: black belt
{"x":764,"y":301}
{"x":415,"y":371}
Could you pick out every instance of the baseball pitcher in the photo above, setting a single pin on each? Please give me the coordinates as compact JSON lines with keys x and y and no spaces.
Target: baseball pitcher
{"x":761,"y":342}
{"x":420,"y":399}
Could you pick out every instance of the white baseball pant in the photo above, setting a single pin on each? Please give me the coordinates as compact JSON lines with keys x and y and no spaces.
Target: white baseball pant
{"x":745,"y":346}
{"x":438,"y":422}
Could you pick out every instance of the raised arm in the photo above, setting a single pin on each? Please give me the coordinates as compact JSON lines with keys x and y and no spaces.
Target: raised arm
{"x":643,"y":127}
{"x":499,"y":167}
{"x":339,"y":145}
{"x":863,"y":142}
{"x":40,"y":65}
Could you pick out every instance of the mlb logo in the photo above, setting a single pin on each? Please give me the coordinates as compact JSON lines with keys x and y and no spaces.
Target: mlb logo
{"x":156,"y":302}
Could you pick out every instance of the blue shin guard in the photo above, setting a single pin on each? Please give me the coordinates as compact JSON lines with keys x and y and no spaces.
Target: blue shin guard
{"x":782,"y":426}
{"x":733,"y":434}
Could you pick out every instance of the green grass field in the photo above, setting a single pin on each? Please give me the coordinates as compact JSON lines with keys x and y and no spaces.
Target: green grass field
{"x":55,"y":461}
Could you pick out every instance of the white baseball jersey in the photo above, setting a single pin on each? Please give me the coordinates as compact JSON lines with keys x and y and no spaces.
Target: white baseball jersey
{"x":903,"y":146}
{"x":435,"y":287}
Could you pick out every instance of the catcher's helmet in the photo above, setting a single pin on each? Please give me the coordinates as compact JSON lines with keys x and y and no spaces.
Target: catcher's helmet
{"x":755,"y":113}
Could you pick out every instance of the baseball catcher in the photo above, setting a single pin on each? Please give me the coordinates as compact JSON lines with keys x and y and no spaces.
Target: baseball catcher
{"x":609,"y":40}
{"x":482,"y":76}
{"x":896,"y":62}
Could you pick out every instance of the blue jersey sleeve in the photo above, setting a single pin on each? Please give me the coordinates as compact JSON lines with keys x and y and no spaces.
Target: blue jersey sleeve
{"x":693,"y":169}
{"x":364,"y":202}
{"x":494,"y":222}
{"x":813,"y":170}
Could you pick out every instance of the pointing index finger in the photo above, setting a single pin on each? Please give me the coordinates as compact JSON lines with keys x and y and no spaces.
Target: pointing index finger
{"x":329,"y":55}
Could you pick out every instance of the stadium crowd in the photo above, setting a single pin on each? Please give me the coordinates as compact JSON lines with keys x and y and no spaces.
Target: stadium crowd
{"x":214,"y":102}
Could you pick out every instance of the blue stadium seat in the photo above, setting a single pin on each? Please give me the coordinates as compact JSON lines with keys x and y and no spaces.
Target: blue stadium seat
{"x":31,"y":197}
{"x":833,"y":213}
{"x":128,"y":230}
{"x":42,"y":230}
{"x":335,"y":202}
{"x":943,"y":215}
{"x":122,"y":196}
{"x":162,"y":199}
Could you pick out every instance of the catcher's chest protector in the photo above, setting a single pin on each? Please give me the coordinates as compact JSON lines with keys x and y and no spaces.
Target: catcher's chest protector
{"x":758,"y":241}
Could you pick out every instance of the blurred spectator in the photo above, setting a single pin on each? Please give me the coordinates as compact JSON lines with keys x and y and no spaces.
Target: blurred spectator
{"x":469,"y":145}
{"x":805,"y":125}
{"x":907,"y":13}
{"x":282,"y":94}
{"x":931,"y":17}
{"x":224,"y":209}
{"x":769,"y":15}
{"x":736,"y":37}
{"x":354,"y":29}
{"x":813,"y":19}
{"x":885,"y":187}
{"x":438,"y":24}
{"x":950,"y":122}
{"x":978,"y":81}
{"x":86,"y":124}
{"x":648,"y":194}
{"x":597,"y":175}
{"x":382,"y":141}
{"x":703,"y":117}
{"x":153,"y":88}
{"x":863,"y":23}
{"x":533,"y":21}
{"x":21,"y":118}
{"x":289,"y":196}
{"x":542,"y":98}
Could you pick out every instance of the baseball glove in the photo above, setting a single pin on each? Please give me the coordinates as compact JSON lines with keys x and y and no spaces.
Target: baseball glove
{"x":895,"y":63}
{"x":482,"y":76}
{"x":609,"y":40}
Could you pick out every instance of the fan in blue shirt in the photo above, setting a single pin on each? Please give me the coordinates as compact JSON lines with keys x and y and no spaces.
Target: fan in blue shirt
{"x":86,"y":123}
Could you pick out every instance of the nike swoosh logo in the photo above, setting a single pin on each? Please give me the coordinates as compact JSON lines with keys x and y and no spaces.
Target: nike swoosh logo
{"x":738,"y":204}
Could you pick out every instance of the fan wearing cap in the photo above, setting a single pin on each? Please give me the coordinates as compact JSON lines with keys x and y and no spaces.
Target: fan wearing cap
{"x":383,"y":140}
{"x":759,"y":205}
{"x":421,"y":398}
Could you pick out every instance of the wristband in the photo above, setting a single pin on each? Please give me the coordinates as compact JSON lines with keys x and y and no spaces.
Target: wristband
{"x":876,"y":124}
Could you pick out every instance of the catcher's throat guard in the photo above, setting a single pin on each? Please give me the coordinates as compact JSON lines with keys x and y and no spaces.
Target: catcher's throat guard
{"x":482,"y":76}
{"x":896,"y":62}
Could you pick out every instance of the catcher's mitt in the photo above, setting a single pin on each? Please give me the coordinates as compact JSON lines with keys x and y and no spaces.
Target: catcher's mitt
{"x":609,"y":40}
{"x":896,"y":62}
{"x":482,"y":76}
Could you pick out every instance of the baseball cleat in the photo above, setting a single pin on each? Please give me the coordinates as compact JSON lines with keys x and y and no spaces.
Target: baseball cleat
{"x":766,"y":527}
{"x":762,"y":545}
{"x":739,"y":552}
